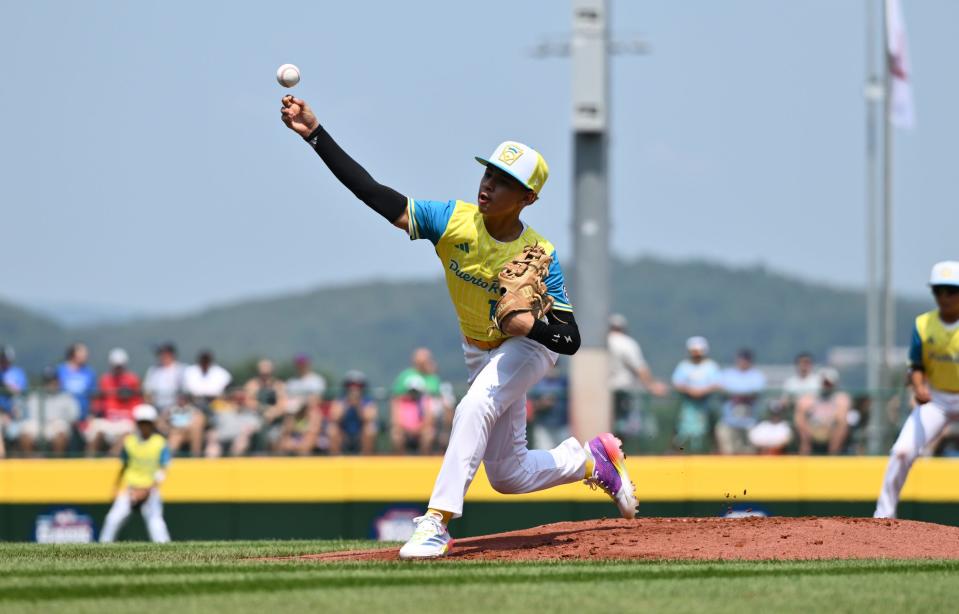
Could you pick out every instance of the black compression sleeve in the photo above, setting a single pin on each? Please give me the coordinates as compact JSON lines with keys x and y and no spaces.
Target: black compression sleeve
{"x":560,"y":333}
{"x":380,"y":198}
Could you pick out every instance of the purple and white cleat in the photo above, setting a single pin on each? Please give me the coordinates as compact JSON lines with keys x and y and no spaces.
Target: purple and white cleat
{"x":609,"y":473}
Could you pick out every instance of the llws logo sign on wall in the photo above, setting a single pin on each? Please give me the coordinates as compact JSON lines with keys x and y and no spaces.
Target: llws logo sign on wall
{"x":396,"y":525}
{"x":64,"y":526}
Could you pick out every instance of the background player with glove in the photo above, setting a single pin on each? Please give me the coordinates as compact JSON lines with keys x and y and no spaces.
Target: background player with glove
{"x":934,"y":377}
{"x":145,"y":457}
{"x":507,"y":287}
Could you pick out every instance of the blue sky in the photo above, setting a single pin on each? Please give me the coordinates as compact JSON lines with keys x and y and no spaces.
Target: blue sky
{"x":145,"y":167}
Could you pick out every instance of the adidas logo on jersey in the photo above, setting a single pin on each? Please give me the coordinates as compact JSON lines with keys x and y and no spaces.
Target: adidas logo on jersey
{"x":464,"y":247}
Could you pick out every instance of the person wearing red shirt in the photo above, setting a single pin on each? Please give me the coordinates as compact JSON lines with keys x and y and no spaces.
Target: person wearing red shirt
{"x":118,"y":393}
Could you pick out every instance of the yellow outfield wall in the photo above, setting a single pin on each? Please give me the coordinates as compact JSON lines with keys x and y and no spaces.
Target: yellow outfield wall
{"x":383,"y":478}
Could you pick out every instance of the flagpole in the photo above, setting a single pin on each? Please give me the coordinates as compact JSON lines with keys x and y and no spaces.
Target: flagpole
{"x":888,"y":305}
{"x":873,"y":94}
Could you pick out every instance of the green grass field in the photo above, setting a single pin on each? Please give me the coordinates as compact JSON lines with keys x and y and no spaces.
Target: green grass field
{"x":213,"y":576}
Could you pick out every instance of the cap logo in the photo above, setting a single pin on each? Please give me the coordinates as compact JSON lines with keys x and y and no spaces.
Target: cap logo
{"x":511,"y":153}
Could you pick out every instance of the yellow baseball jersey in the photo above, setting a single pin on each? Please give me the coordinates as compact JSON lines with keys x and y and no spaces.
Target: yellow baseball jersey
{"x":472,"y":260}
{"x":935,"y":350}
{"x":142,"y":458}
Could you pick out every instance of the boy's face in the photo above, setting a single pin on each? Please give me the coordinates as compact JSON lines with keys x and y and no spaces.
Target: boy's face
{"x":947,"y":298}
{"x":500,"y":194}
{"x":146,"y":429}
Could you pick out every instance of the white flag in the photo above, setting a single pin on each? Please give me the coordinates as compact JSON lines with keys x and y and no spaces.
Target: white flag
{"x":901,"y":110}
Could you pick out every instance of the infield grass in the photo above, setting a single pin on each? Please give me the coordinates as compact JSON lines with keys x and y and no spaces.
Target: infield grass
{"x":216,"y":576}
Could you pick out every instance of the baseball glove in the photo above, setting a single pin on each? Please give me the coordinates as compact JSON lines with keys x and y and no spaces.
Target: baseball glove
{"x":522,"y":286}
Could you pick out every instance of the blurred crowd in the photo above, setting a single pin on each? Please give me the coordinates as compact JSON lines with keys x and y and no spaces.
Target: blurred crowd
{"x":703,"y":408}
{"x":204,"y":412}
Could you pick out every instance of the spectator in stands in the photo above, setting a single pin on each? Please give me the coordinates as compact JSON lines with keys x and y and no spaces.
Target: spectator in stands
{"x":822,"y":420}
{"x":696,"y":379}
{"x":13,"y":379}
{"x":353,"y":418}
{"x":742,"y":385}
{"x":184,"y":423}
{"x":772,"y":435}
{"x":234,"y":423}
{"x":53,"y":410}
{"x":119,"y":393}
{"x":13,"y":383}
{"x":164,"y":380}
{"x":269,"y":394}
{"x":629,"y":375}
{"x":550,"y":404}
{"x":206,"y":380}
{"x":305,"y":384}
{"x":804,"y":381}
{"x":411,"y":418}
{"x":77,"y":378}
{"x":302,"y":428}
{"x":423,"y":368}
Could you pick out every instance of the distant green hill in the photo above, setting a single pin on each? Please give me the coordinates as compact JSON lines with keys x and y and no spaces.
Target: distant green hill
{"x":373,"y":326}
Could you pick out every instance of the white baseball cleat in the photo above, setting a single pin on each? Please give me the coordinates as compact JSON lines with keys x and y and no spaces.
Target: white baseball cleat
{"x":430,"y":539}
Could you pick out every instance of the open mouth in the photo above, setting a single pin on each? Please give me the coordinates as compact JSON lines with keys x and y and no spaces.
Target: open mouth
{"x":483,"y":199}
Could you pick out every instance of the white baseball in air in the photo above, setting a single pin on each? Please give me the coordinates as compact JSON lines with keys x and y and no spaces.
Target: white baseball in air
{"x":288,"y":75}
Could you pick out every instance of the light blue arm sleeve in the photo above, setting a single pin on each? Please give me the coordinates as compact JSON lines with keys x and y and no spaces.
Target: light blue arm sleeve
{"x":165,"y":456}
{"x":556,"y":286}
{"x":915,"y":350}
{"x":428,"y":218}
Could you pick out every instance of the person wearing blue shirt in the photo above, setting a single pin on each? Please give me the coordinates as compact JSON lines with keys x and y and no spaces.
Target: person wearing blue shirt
{"x":742,"y":385}
{"x":696,"y":379}
{"x":13,"y":383}
{"x":13,"y":379}
{"x":77,"y":378}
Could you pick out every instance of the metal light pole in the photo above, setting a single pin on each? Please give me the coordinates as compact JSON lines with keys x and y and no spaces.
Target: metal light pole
{"x":590,"y":47}
{"x":590,"y":400}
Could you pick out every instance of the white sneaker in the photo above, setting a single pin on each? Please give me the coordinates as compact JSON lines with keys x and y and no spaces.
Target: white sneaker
{"x":430,"y":539}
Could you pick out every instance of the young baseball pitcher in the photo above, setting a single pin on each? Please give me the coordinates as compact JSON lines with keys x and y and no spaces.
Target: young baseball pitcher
{"x":145,"y":457}
{"x":507,"y":286}
{"x":934,"y":377}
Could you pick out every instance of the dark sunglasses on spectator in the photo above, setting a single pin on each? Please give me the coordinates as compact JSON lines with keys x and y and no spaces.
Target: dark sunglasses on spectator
{"x":947,"y":290}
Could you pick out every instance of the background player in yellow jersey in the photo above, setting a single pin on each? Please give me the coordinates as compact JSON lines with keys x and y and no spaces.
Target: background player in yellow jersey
{"x":934,"y":377}
{"x":145,"y":457}
{"x":473,"y":242}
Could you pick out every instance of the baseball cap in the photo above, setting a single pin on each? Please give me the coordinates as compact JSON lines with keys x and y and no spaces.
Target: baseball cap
{"x":354,"y":377}
{"x":830,"y":375}
{"x":145,"y":413}
{"x":301,"y":359}
{"x":521,"y":162}
{"x":166,"y":347}
{"x":416,"y":384}
{"x":118,"y":356}
{"x":697,"y":343}
{"x":618,"y":320}
{"x":945,"y":273}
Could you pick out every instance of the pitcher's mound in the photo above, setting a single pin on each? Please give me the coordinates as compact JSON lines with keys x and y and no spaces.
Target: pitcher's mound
{"x":751,"y":539}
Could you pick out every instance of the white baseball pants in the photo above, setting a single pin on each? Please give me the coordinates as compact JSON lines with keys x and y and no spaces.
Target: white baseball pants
{"x":924,"y":424}
{"x":490,"y":426}
{"x":152,"y":510}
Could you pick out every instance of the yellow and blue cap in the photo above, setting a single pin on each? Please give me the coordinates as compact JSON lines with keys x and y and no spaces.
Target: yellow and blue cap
{"x":521,"y":162}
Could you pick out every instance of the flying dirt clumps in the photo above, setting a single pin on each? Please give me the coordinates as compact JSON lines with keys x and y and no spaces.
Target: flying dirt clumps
{"x":750,"y":539}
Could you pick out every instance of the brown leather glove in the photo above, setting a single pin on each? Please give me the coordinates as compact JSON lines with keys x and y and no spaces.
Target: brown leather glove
{"x":522,"y":286}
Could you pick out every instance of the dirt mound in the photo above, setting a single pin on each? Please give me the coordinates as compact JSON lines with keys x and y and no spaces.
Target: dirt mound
{"x":751,"y":539}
